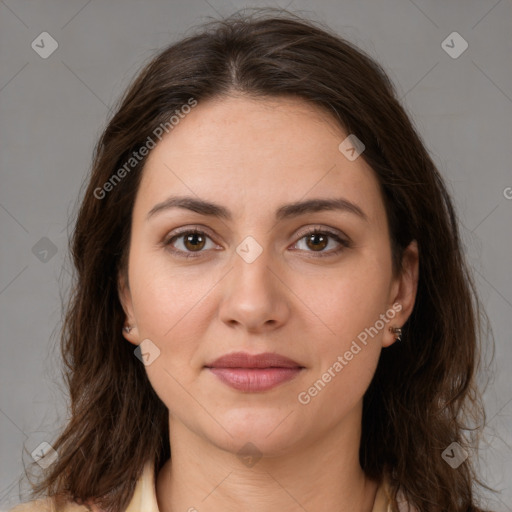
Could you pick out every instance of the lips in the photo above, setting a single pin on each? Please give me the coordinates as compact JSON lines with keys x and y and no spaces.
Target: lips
{"x":245,"y":360}
{"x":253,"y":373}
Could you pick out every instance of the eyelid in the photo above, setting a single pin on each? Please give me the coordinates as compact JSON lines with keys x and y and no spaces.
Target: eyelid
{"x":192,"y":227}
{"x":189,"y":229}
{"x":178,"y":232}
{"x":322,"y":229}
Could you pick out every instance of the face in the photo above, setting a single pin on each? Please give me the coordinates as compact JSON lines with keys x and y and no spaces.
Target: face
{"x":250,"y":274}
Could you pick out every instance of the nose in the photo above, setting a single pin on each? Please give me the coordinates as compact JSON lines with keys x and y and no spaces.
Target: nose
{"x":254,"y":297}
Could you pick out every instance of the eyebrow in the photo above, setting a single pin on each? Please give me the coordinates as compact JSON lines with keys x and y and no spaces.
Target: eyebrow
{"x":283,"y":212}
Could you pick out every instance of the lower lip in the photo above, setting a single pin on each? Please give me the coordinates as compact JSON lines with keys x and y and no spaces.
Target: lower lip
{"x":255,"y":379}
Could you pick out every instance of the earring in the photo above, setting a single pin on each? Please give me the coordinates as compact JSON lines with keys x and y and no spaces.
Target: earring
{"x":397,"y":331}
{"x":127,"y":328}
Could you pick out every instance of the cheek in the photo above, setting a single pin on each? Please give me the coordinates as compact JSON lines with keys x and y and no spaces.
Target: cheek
{"x":169,"y":313}
{"x":349,"y":302}
{"x":165,"y":297}
{"x":168,"y":309}
{"x":348,"y":311}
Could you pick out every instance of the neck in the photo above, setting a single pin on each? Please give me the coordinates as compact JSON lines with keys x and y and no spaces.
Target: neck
{"x":319,"y":474}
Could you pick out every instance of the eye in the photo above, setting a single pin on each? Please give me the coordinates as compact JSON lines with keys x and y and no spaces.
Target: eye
{"x":317,"y":239}
{"x":189,"y":241}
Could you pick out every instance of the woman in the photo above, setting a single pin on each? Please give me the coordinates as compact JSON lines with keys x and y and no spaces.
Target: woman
{"x":272,"y":308}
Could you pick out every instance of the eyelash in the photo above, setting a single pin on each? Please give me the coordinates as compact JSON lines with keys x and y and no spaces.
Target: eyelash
{"x":345,"y":244}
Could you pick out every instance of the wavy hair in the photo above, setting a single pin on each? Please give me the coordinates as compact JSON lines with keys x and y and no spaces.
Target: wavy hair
{"x":423,"y":395}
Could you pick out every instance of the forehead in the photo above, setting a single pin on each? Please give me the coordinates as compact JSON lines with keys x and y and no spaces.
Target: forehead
{"x":245,"y":151}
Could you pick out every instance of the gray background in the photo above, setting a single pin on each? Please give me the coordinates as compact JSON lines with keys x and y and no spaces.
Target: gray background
{"x":53,"y":110}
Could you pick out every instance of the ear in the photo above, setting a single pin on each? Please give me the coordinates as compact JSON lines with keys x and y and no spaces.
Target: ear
{"x":125,"y":297}
{"x":403,"y":291}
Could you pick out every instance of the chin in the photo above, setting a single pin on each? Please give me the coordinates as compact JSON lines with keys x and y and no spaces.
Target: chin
{"x":265,"y":430}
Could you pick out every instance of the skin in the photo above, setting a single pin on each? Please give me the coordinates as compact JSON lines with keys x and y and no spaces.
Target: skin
{"x":252,"y":156}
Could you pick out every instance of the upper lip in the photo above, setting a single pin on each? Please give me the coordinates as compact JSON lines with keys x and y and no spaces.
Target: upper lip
{"x":246,"y":360}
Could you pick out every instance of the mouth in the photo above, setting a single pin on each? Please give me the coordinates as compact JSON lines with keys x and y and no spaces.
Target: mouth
{"x":253,"y":373}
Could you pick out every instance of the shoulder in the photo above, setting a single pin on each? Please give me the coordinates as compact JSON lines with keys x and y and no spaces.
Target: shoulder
{"x":49,"y":505}
{"x":144,"y":498}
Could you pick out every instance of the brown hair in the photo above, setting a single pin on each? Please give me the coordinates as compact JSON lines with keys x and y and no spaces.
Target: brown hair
{"x":423,"y":394}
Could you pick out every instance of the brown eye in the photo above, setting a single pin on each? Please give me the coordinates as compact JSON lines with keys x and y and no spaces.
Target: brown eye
{"x":189,"y":243}
{"x":194,"y":241}
{"x":317,"y":241}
